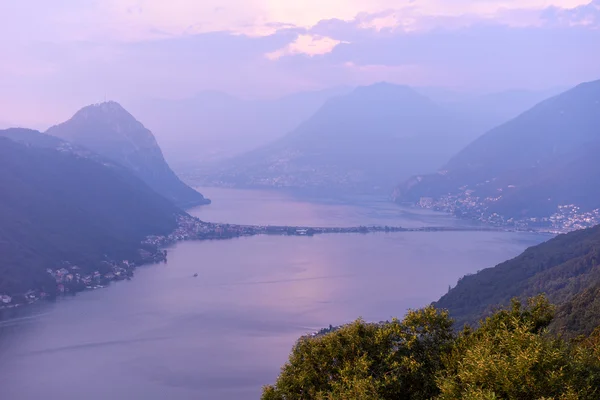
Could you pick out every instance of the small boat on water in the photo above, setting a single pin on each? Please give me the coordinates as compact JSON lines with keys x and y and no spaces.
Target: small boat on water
{"x":195,"y":275}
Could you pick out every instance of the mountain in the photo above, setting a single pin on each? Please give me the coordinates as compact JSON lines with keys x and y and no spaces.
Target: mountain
{"x":58,"y":207}
{"x":35,"y":138}
{"x":109,"y":130}
{"x":359,"y":142}
{"x":566,"y":269}
{"x":525,"y":168}
{"x":487,"y":111}
{"x":213,"y":125}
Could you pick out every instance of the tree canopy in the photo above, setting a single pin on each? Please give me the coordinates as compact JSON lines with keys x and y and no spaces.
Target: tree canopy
{"x":511,"y":355}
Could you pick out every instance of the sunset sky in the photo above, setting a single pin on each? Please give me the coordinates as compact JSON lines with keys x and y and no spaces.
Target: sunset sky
{"x":60,"y":55}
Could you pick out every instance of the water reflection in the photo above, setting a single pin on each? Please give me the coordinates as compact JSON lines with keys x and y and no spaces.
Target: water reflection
{"x":224,"y":334}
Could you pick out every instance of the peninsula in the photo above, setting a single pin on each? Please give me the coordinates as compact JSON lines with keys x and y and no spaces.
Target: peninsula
{"x":191,"y":228}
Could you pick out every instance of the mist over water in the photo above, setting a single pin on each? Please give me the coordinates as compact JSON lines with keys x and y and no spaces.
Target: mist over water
{"x":224,"y":334}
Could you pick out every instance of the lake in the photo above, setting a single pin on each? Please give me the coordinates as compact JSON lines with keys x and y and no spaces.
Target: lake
{"x":225,"y":333}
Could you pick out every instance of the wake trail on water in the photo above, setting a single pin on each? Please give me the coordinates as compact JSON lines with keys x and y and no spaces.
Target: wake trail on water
{"x":16,"y":321}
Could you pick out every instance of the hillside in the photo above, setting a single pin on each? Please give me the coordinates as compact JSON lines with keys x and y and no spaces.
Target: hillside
{"x":566,"y":269}
{"x":33,"y":137}
{"x":526,"y":167}
{"x":109,"y":130}
{"x":59,"y":207}
{"x":364,"y":141}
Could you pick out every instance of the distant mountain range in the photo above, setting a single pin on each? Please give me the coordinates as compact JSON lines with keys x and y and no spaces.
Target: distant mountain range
{"x":487,"y":111}
{"x":213,"y":125}
{"x":566,"y":269}
{"x":364,"y":141}
{"x":109,"y":130}
{"x":62,"y":208}
{"x":525,"y":168}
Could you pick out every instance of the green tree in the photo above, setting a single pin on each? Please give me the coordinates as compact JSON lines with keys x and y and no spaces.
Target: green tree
{"x":394,"y":360}
{"x":511,"y":356}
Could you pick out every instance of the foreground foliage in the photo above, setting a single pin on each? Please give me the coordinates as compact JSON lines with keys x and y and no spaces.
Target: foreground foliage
{"x":510,"y":356}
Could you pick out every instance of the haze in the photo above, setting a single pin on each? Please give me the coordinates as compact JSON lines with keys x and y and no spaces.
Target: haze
{"x":60,"y":55}
{"x":188,"y":187}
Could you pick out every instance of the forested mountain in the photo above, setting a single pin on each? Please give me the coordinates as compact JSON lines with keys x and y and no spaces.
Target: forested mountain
{"x":361,"y":142}
{"x":526,"y":167}
{"x":566,"y":269}
{"x":57,"y":207}
{"x":109,"y":130}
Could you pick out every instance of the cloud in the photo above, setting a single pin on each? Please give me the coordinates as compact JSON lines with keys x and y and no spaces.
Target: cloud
{"x":143,"y":18}
{"x":138,"y":20}
{"x":586,"y":15}
{"x":310,"y":45}
{"x":58,"y":55}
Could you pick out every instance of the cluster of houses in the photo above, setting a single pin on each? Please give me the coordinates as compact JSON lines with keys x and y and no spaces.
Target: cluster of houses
{"x":30,"y":296}
{"x":570,"y":217}
{"x":72,"y":279}
{"x":566,"y":219}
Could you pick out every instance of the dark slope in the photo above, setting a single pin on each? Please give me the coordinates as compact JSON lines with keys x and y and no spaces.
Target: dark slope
{"x":33,"y":137}
{"x":363,"y":141}
{"x":530,"y":165}
{"x":562,"y":268}
{"x":109,"y":130}
{"x":57,"y":206}
{"x":579,"y":315}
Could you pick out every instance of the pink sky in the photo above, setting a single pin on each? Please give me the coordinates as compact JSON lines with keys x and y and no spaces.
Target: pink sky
{"x":60,"y":55}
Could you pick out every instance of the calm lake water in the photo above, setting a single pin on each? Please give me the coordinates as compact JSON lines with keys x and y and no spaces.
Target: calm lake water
{"x":225,"y":333}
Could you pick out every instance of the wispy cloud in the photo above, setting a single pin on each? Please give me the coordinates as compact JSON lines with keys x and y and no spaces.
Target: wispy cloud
{"x":310,"y":45}
{"x":134,"y":20}
{"x":77,"y":50}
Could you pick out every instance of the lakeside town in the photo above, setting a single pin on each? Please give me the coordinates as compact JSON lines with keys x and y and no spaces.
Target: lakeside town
{"x":567,"y":218}
{"x":71,"y":279}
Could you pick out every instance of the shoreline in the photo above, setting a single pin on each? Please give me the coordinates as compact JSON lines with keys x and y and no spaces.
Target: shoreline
{"x":192,"y":228}
{"x":70,"y":281}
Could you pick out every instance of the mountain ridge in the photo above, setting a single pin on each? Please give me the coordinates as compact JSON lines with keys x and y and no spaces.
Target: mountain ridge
{"x":111,"y":131}
{"x":361,"y":141}
{"x":213,"y":125}
{"x":513,"y":171}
